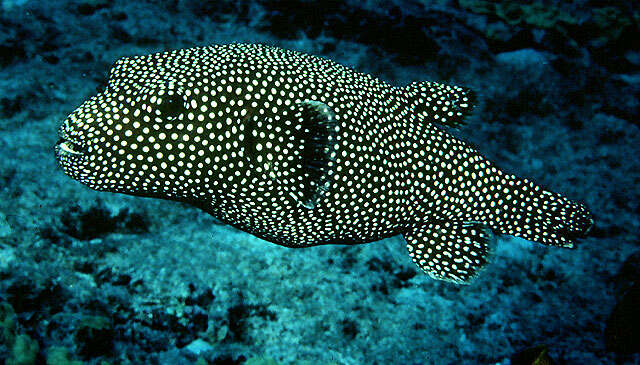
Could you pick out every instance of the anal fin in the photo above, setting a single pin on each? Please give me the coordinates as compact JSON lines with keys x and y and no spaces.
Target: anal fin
{"x":450,"y":251}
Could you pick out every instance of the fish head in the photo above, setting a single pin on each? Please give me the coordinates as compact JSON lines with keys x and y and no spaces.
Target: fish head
{"x":132,"y":137}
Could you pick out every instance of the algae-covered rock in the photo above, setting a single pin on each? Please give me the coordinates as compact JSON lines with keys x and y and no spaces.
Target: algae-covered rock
{"x":8,"y":323}
{"x":522,"y":24}
{"x":58,"y":355}
{"x":261,"y":361}
{"x":5,"y":228}
{"x":24,"y":351}
{"x":478,"y":6}
{"x":611,"y":22}
{"x":608,"y":23}
{"x":201,"y":361}
{"x":535,"y":14}
{"x":540,"y":15}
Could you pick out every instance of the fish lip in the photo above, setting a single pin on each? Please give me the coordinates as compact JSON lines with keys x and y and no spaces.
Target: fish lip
{"x":67,"y":147}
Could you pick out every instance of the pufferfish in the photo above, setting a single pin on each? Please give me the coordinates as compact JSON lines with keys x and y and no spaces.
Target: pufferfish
{"x":301,"y":151}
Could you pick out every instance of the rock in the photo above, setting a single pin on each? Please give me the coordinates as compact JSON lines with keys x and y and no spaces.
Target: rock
{"x":97,"y":221}
{"x":199,"y":347}
{"x":537,"y":355}
{"x":629,"y":273}
{"x":261,"y":361}
{"x":10,"y":4}
{"x":27,"y":296}
{"x":633,"y":57}
{"x":631,"y":79}
{"x":57,"y":355}
{"x":88,"y":7}
{"x":24,"y":351}
{"x":94,"y":336}
{"x":522,"y":58}
{"x":409,"y":33}
{"x":8,"y":323}
{"x":622,"y":334}
{"x":5,"y":228}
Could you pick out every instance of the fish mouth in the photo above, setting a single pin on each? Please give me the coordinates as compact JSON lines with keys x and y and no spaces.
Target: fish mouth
{"x":70,"y":148}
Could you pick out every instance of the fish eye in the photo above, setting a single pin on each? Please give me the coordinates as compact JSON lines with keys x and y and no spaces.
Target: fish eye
{"x":171,"y":106}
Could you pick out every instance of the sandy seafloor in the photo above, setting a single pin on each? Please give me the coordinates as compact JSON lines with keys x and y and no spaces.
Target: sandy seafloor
{"x":97,"y":277}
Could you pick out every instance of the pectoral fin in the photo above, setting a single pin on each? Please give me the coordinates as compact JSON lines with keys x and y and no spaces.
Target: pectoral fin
{"x":297,"y":148}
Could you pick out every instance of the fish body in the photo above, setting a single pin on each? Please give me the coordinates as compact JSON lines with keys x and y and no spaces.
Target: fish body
{"x":302,"y":151}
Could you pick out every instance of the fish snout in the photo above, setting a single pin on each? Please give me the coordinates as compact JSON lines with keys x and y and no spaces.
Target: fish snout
{"x":70,"y":148}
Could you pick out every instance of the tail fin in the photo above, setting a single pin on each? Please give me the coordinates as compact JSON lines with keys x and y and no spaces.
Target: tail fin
{"x":566,"y":219}
{"x":540,"y":215}
{"x":439,"y":103}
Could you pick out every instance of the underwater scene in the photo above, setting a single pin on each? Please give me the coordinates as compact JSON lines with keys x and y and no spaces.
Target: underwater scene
{"x":274,"y":182}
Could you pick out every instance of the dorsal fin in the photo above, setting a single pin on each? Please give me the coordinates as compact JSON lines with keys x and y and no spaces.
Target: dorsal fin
{"x":297,"y":148}
{"x":440,"y":103}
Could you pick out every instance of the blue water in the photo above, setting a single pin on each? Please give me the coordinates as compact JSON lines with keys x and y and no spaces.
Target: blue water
{"x":93,"y":276}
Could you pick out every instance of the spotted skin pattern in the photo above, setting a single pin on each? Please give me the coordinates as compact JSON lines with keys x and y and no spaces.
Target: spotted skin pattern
{"x":301,"y":151}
